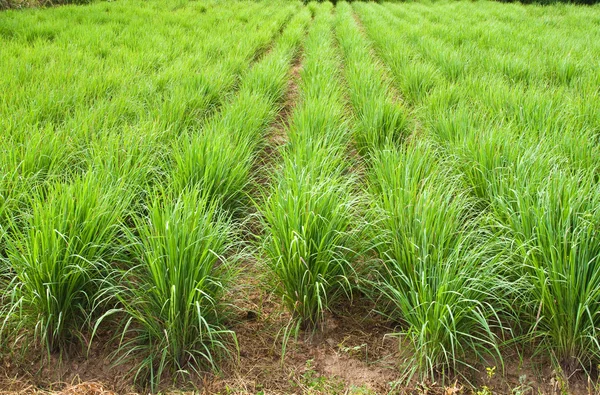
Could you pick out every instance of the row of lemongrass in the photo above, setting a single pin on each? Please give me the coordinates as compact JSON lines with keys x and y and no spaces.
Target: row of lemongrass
{"x":433,"y":275}
{"x":310,"y":212}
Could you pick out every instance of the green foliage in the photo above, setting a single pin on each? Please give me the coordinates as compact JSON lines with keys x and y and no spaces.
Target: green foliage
{"x":61,"y":254}
{"x":380,"y":121}
{"x":308,"y":222}
{"x":81,"y":228}
{"x":220,"y":158}
{"x":5,"y":4}
{"x":171,"y":299}
{"x":437,"y":276}
{"x":511,"y":121}
{"x":457,"y":140}
{"x":309,"y":213}
{"x":553,"y":234}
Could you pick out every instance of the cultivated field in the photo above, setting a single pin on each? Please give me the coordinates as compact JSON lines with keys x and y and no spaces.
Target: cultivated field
{"x":278,"y":197}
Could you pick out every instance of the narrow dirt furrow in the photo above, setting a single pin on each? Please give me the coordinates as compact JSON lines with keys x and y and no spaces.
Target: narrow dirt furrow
{"x":276,"y":136}
{"x":385,"y":71}
{"x":260,"y":316}
{"x":395,"y":94}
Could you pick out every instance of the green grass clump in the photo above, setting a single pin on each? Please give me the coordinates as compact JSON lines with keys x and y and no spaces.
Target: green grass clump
{"x":171,"y":306}
{"x":61,"y":254}
{"x":308,"y":222}
{"x":437,"y":276}
{"x":219,"y":159}
{"x":28,"y":162}
{"x":309,"y":215}
{"x":553,"y":233}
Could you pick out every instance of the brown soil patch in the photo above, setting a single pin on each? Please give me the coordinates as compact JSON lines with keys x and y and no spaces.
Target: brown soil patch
{"x":73,"y":373}
{"x":351,"y":350}
{"x":88,"y":388}
{"x":278,"y":135}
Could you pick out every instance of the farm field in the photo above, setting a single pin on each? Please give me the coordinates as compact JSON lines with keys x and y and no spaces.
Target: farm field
{"x":284,"y":197}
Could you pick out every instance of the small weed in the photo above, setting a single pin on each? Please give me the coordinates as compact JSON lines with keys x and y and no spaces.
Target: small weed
{"x":524,"y":387}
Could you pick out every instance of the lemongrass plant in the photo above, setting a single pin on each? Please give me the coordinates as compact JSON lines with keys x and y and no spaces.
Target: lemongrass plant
{"x":171,"y":310}
{"x":552,"y":232}
{"x":60,"y":256}
{"x":309,"y":242}
{"x":438,"y":276}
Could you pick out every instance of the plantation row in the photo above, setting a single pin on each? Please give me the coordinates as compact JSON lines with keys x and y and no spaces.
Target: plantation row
{"x":520,"y":143}
{"x":440,"y":160}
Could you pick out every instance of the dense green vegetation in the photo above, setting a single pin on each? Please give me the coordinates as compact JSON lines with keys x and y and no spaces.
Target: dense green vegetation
{"x":517,"y":124}
{"x":308,"y":215}
{"x":441,"y":160}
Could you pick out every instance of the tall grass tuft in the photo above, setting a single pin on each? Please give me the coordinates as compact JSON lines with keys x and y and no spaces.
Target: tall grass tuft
{"x":28,"y":162}
{"x":553,"y":233}
{"x":215,"y":164}
{"x":308,"y":221}
{"x":171,"y":307}
{"x":437,"y":277}
{"x":61,"y":254}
